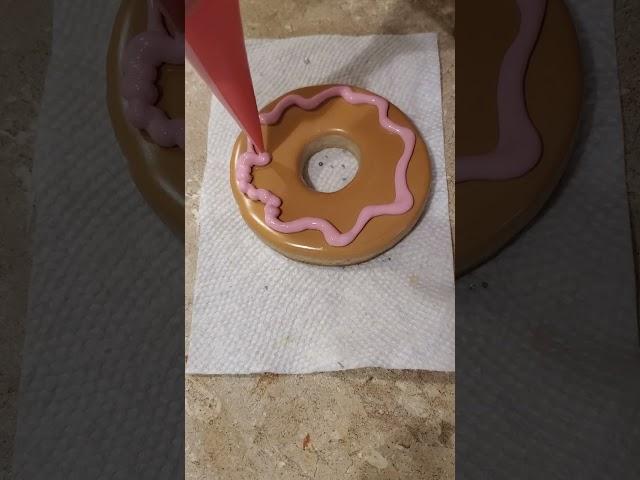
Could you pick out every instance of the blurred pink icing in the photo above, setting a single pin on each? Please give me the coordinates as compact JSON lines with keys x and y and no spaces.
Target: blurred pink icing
{"x":519,"y":145}
{"x":403,"y":199}
{"x":143,"y":55}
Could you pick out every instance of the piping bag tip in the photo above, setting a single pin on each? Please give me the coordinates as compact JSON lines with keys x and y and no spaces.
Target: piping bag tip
{"x":214,"y":44}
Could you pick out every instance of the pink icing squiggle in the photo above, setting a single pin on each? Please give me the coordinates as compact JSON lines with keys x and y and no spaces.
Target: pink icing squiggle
{"x":143,"y":55}
{"x":403,"y":198}
{"x":519,"y":146}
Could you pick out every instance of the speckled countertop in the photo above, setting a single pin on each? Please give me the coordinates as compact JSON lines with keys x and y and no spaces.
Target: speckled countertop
{"x":364,"y":424}
{"x":368,"y":423}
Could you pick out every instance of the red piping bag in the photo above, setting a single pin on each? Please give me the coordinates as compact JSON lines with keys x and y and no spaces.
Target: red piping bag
{"x":214,"y":44}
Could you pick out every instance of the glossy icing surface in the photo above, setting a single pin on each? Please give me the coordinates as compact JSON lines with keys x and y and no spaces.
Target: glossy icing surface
{"x":403,"y":199}
{"x":519,"y":145}
{"x":490,"y":213}
{"x":158,"y":172}
{"x":142,"y":57}
{"x":294,"y":136}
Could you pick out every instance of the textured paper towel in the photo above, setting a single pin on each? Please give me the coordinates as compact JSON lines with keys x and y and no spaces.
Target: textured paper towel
{"x":547,"y":355}
{"x":103,"y":337}
{"x":255,"y":310}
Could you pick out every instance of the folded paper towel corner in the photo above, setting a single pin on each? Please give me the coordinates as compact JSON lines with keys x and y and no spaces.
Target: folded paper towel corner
{"x":257,"y":311}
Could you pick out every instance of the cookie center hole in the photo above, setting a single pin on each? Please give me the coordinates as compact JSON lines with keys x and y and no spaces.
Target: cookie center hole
{"x":330,"y":169}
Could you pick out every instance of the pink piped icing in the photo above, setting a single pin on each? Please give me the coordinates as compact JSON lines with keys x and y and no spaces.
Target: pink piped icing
{"x":142,"y":57}
{"x":403,"y":198}
{"x":519,"y":146}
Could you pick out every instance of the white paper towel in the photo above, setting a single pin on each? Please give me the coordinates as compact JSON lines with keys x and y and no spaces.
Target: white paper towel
{"x":254,"y":309}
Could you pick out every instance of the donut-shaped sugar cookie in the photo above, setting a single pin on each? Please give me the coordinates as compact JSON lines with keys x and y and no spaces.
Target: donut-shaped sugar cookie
{"x":145,"y":95}
{"x":370,"y":214}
